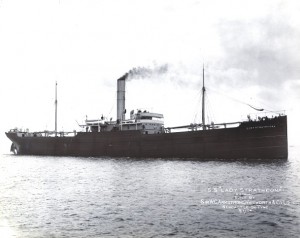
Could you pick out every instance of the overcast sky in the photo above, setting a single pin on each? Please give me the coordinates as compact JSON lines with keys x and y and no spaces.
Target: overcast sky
{"x":250,"y":50}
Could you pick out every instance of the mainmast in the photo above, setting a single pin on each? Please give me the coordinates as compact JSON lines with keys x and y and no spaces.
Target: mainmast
{"x":55,"y":108}
{"x":203,"y":101}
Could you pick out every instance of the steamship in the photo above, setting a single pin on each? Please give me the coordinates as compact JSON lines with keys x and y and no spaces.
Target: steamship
{"x":144,"y":135}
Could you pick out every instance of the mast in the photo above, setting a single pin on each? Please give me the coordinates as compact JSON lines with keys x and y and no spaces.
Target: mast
{"x":203,"y":101}
{"x":56,"y":108}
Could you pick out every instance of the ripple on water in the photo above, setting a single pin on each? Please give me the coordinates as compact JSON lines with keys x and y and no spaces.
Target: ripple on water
{"x":103,"y":197}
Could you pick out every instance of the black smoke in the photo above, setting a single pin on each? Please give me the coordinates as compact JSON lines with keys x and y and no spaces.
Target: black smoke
{"x":146,"y":72}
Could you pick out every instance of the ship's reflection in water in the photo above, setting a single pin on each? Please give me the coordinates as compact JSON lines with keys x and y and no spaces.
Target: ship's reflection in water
{"x":104,"y":197}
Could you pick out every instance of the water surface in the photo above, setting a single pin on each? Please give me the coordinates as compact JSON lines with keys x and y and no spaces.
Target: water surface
{"x":105,"y":197}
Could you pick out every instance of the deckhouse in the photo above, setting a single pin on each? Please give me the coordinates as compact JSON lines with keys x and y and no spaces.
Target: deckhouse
{"x":144,"y":121}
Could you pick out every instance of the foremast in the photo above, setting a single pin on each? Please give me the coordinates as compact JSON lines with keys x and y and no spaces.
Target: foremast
{"x":203,"y":101}
{"x":55,"y":108}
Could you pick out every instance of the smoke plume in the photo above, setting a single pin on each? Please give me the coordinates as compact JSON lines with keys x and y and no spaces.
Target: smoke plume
{"x":146,"y":72}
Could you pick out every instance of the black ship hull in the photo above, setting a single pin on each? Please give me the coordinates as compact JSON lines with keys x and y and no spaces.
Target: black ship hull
{"x":250,"y":140}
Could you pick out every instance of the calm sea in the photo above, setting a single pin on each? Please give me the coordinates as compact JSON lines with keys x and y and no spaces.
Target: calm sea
{"x":105,"y":197}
